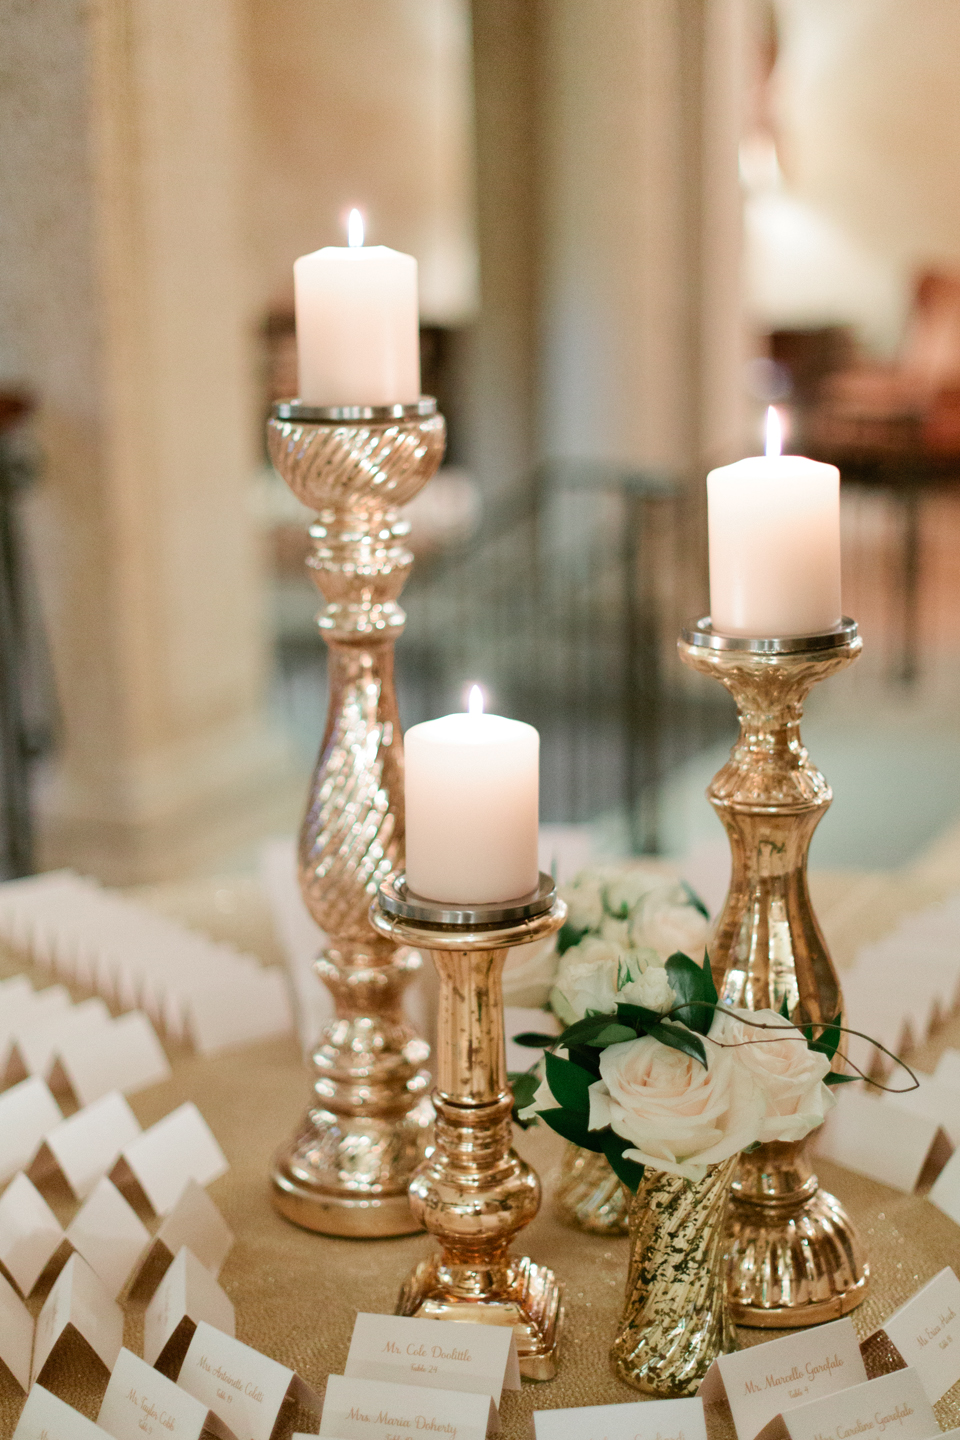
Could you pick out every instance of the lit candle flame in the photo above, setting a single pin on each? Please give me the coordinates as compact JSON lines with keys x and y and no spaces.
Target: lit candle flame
{"x":475,"y":701}
{"x":355,"y":230}
{"x":773,"y":442}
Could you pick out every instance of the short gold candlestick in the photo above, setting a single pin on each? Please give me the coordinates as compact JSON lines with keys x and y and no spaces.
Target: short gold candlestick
{"x":347,"y":1171}
{"x":474,"y":1193}
{"x":795,"y":1258}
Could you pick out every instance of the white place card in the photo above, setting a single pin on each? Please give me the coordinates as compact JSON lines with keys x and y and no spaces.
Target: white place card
{"x":441,"y":1354}
{"x":194,"y":1222}
{"x":378,"y":1410}
{"x":934,"y":1100}
{"x":948,"y":1068}
{"x":47,"y":1417}
{"x":16,"y":1335}
{"x":35,"y":1042}
{"x":27,"y":1113}
{"x":881,"y":1141}
{"x":124,"y":1055}
{"x":254,"y":1006}
{"x":78,"y":1307}
{"x":187,"y":1296}
{"x":764,"y":1380}
{"x":161,"y":1160}
{"x":246,"y":1389}
{"x":83,"y":1148}
{"x":926,"y":1333}
{"x":642,"y":1420}
{"x":945,"y":1192}
{"x":893,"y":1405}
{"x":140,"y":1401}
{"x":30,"y":1233}
{"x":109,"y":1235}
{"x":516,"y":1020}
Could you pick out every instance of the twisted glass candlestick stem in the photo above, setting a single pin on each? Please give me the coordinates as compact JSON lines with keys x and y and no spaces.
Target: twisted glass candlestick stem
{"x":794,"y":1256}
{"x":348,"y":1169}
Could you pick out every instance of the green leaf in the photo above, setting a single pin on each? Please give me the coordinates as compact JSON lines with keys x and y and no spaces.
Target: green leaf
{"x":784,"y":1008}
{"x":586,"y":1058}
{"x":569,"y":1083}
{"x":678,"y":1037}
{"x":582,"y":1031}
{"x":613,"y":1035}
{"x":524,"y":1084}
{"x":829,"y":1038}
{"x":637,"y":1015}
{"x":574,"y":1128}
{"x":695,"y":900}
{"x":627,"y":1171}
{"x":532,"y":1040}
{"x":695,"y":991}
{"x":569,"y":936}
{"x":834,"y":1079}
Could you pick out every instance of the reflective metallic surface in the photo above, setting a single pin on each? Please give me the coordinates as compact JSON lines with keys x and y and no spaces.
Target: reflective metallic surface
{"x":676,"y":1318}
{"x":795,"y":1259}
{"x":588,"y":1194}
{"x":474,"y":1193}
{"x":348,"y":1170}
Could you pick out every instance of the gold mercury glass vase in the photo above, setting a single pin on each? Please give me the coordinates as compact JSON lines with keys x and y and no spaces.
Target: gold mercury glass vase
{"x":588,"y":1194}
{"x":676,"y":1319}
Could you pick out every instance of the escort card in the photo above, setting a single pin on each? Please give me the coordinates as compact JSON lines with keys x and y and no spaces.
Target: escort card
{"x":35,"y":1041}
{"x":16,"y":1335}
{"x":109,"y":1235}
{"x":926,"y":1333}
{"x":244,"y":1388}
{"x":85,"y":1147}
{"x":27,"y":1113}
{"x":945,"y":1192}
{"x":186,"y":1296}
{"x":643,"y":1420}
{"x":934,"y":1100}
{"x":194,"y":1222}
{"x":46,"y":1417}
{"x":882,"y":1141}
{"x":30,"y":1233}
{"x":948,"y":1068}
{"x":140,"y":1401}
{"x":78,"y":1308}
{"x":441,"y":1354}
{"x":893,"y":1405}
{"x":124,"y":1055}
{"x":158,"y":1163}
{"x":377,"y":1410}
{"x":259,"y":1007}
{"x":766,"y":1379}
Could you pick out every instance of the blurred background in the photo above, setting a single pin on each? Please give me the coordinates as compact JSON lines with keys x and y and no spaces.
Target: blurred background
{"x":637,"y":222}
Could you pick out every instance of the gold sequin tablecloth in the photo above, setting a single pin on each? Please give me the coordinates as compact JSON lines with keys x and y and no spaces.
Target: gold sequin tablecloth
{"x":296,"y":1294}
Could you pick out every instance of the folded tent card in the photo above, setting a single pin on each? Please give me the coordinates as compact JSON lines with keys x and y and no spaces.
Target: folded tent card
{"x":155,"y":1166}
{"x":884,"y":1142}
{"x":83,"y":1148}
{"x":141,"y":1402}
{"x":355,"y":1409}
{"x":109,"y":1235}
{"x":945,"y":1192}
{"x":187,"y":1296}
{"x":892,"y":1405}
{"x":30,"y":1234}
{"x":46,"y":1417}
{"x":123,"y":1055}
{"x":16,"y":1335}
{"x":642,"y":1420}
{"x":78,"y":1312}
{"x":246,"y":1390}
{"x":194,"y":1223}
{"x":925,"y":1334}
{"x":28,"y":1113}
{"x":440,"y":1354}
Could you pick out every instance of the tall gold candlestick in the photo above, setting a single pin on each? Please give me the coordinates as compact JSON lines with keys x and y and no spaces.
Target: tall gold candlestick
{"x":348,"y":1169}
{"x":794,"y":1258}
{"x":474,"y":1193}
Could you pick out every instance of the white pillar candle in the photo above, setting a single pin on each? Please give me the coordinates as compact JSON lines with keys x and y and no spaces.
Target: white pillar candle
{"x":472,"y":803}
{"x":358,"y":336}
{"x":774,"y":539}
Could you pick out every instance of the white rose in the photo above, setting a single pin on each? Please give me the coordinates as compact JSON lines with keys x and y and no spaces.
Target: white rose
{"x":586,"y":979}
{"x":667,"y":921}
{"x":789,"y":1074}
{"x":651,"y":989}
{"x":676,"y":1115}
{"x":615,"y":932}
{"x":627,"y":889}
{"x":584,"y":903}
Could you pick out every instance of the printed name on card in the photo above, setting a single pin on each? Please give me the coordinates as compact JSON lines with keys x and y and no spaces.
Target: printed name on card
{"x":140,"y":1401}
{"x":355,"y":1409}
{"x":187,"y":1295}
{"x":83,"y":1148}
{"x":30,"y":1233}
{"x":78,"y":1312}
{"x":925,"y":1333}
{"x":245,"y":1389}
{"x":892,"y":1406}
{"x":441,"y":1354}
{"x":124,"y":1055}
{"x":109,"y":1235}
{"x":16,"y":1335}
{"x":154,"y":1168}
{"x":194,"y":1222}
{"x":27,"y":1113}
{"x":47,"y":1417}
{"x":766,"y":1379}
{"x":642,"y":1420}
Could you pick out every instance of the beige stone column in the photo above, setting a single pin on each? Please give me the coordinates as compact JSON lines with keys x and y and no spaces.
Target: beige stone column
{"x":127,"y":294}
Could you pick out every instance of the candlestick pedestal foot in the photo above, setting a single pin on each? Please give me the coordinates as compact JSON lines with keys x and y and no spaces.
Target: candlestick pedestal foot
{"x":475,"y":1193}
{"x":794,"y":1258}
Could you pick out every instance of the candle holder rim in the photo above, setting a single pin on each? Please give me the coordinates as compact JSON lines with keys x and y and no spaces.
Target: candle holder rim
{"x":396,"y":899}
{"x":701,"y":635}
{"x":296,"y":411}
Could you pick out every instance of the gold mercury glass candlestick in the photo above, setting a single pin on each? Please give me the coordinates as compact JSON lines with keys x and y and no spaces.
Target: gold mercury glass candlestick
{"x":794,"y":1256}
{"x":474,"y":1193}
{"x":347,"y":1170}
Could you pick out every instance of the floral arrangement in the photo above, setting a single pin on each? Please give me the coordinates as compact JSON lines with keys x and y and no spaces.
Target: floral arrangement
{"x":658,"y":1073}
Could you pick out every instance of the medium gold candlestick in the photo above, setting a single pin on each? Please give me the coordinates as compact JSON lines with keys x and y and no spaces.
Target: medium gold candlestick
{"x":794,"y":1258}
{"x":348,"y":1169}
{"x":474,"y":1193}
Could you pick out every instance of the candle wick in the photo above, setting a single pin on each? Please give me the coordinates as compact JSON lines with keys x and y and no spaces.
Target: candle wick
{"x":475,"y":701}
{"x":773,"y":442}
{"x":355,"y":230}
